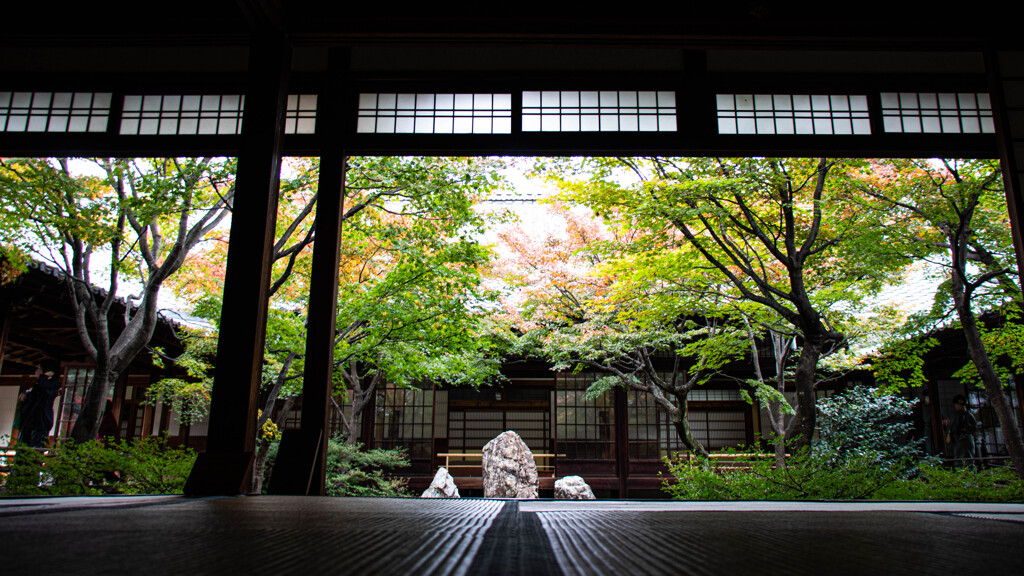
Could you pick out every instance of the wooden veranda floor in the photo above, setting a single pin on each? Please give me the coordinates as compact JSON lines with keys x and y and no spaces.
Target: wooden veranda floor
{"x":308,"y":535}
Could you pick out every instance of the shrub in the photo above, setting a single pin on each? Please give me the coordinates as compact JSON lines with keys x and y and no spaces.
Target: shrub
{"x":699,"y":480}
{"x":817,"y":475}
{"x":934,"y":482}
{"x":146,"y":466}
{"x":808,"y":475}
{"x":351,"y":471}
{"x":861,"y":425}
{"x":863,"y":452}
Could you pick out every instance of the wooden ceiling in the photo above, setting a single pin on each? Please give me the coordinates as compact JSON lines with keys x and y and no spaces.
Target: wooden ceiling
{"x":330,"y":22}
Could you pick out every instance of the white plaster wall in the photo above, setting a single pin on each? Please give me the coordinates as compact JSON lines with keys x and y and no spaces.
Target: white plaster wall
{"x":8,"y":405}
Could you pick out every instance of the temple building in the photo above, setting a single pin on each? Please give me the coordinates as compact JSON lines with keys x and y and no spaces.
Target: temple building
{"x":261,"y":80}
{"x":38,"y":325}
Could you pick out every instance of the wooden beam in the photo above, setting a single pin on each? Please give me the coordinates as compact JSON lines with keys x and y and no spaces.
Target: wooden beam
{"x":3,"y":337}
{"x":695,"y":88}
{"x":226,"y":465}
{"x":1007,"y":159}
{"x":622,"y":440}
{"x":300,"y":468}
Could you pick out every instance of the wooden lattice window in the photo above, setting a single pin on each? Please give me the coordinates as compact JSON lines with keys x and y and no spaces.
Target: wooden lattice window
{"x":300,"y":114}
{"x":405,"y":418}
{"x":716,"y":419}
{"x":54,"y":111}
{"x":585,"y":428}
{"x":75,"y":382}
{"x":599,"y":111}
{"x":946,"y":113}
{"x":394,"y":113}
{"x":820,"y":114}
{"x":175,"y":114}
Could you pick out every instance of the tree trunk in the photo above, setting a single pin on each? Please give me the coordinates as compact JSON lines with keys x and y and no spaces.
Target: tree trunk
{"x":682,"y":424}
{"x":256,"y":482}
{"x":801,"y":428}
{"x":87,"y":425}
{"x":772,"y":411}
{"x":962,"y":293}
{"x":361,"y":396}
{"x":355,"y":421}
{"x":780,"y":451}
{"x":111,"y":360}
{"x":259,"y":467}
{"x":778,"y":418}
{"x":990,"y":380}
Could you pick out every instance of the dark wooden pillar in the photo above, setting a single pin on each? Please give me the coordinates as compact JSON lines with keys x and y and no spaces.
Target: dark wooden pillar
{"x":370,"y":410}
{"x":1010,"y":139}
{"x":301,"y":459}
{"x":622,"y":439}
{"x":938,"y":428}
{"x":1018,"y":385}
{"x":1015,"y":203}
{"x":1007,"y":158}
{"x":5,"y":325}
{"x":226,"y":465}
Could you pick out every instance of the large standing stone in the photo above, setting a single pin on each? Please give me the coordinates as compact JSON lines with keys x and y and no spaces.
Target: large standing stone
{"x":573,"y":488}
{"x":442,"y":486}
{"x":508,"y":468}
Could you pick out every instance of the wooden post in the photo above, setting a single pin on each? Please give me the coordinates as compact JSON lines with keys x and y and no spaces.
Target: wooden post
{"x":4,"y":330}
{"x":302,"y":457}
{"x":369,"y":410}
{"x":1018,"y":386}
{"x":938,"y":430}
{"x":226,"y":465}
{"x":1007,"y":159}
{"x":553,"y":419}
{"x":622,"y":440}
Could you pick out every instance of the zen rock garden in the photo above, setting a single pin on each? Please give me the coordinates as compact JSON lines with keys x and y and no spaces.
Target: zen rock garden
{"x":509,"y":471}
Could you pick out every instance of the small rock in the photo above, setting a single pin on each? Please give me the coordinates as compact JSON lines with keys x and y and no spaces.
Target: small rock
{"x":573,"y":488}
{"x":442,"y":486}
{"x":508,"y":468}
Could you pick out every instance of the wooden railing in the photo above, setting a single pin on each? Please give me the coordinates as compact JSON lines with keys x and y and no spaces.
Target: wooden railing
{"x":731,"y":460}
{"x":473,"y":462}
{"x":739,"y":461}
{"x":7,"y":454}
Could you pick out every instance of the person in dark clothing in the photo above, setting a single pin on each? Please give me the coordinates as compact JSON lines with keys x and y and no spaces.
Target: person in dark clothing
{"x":960,"y":431}
{"x":37,"y":406}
